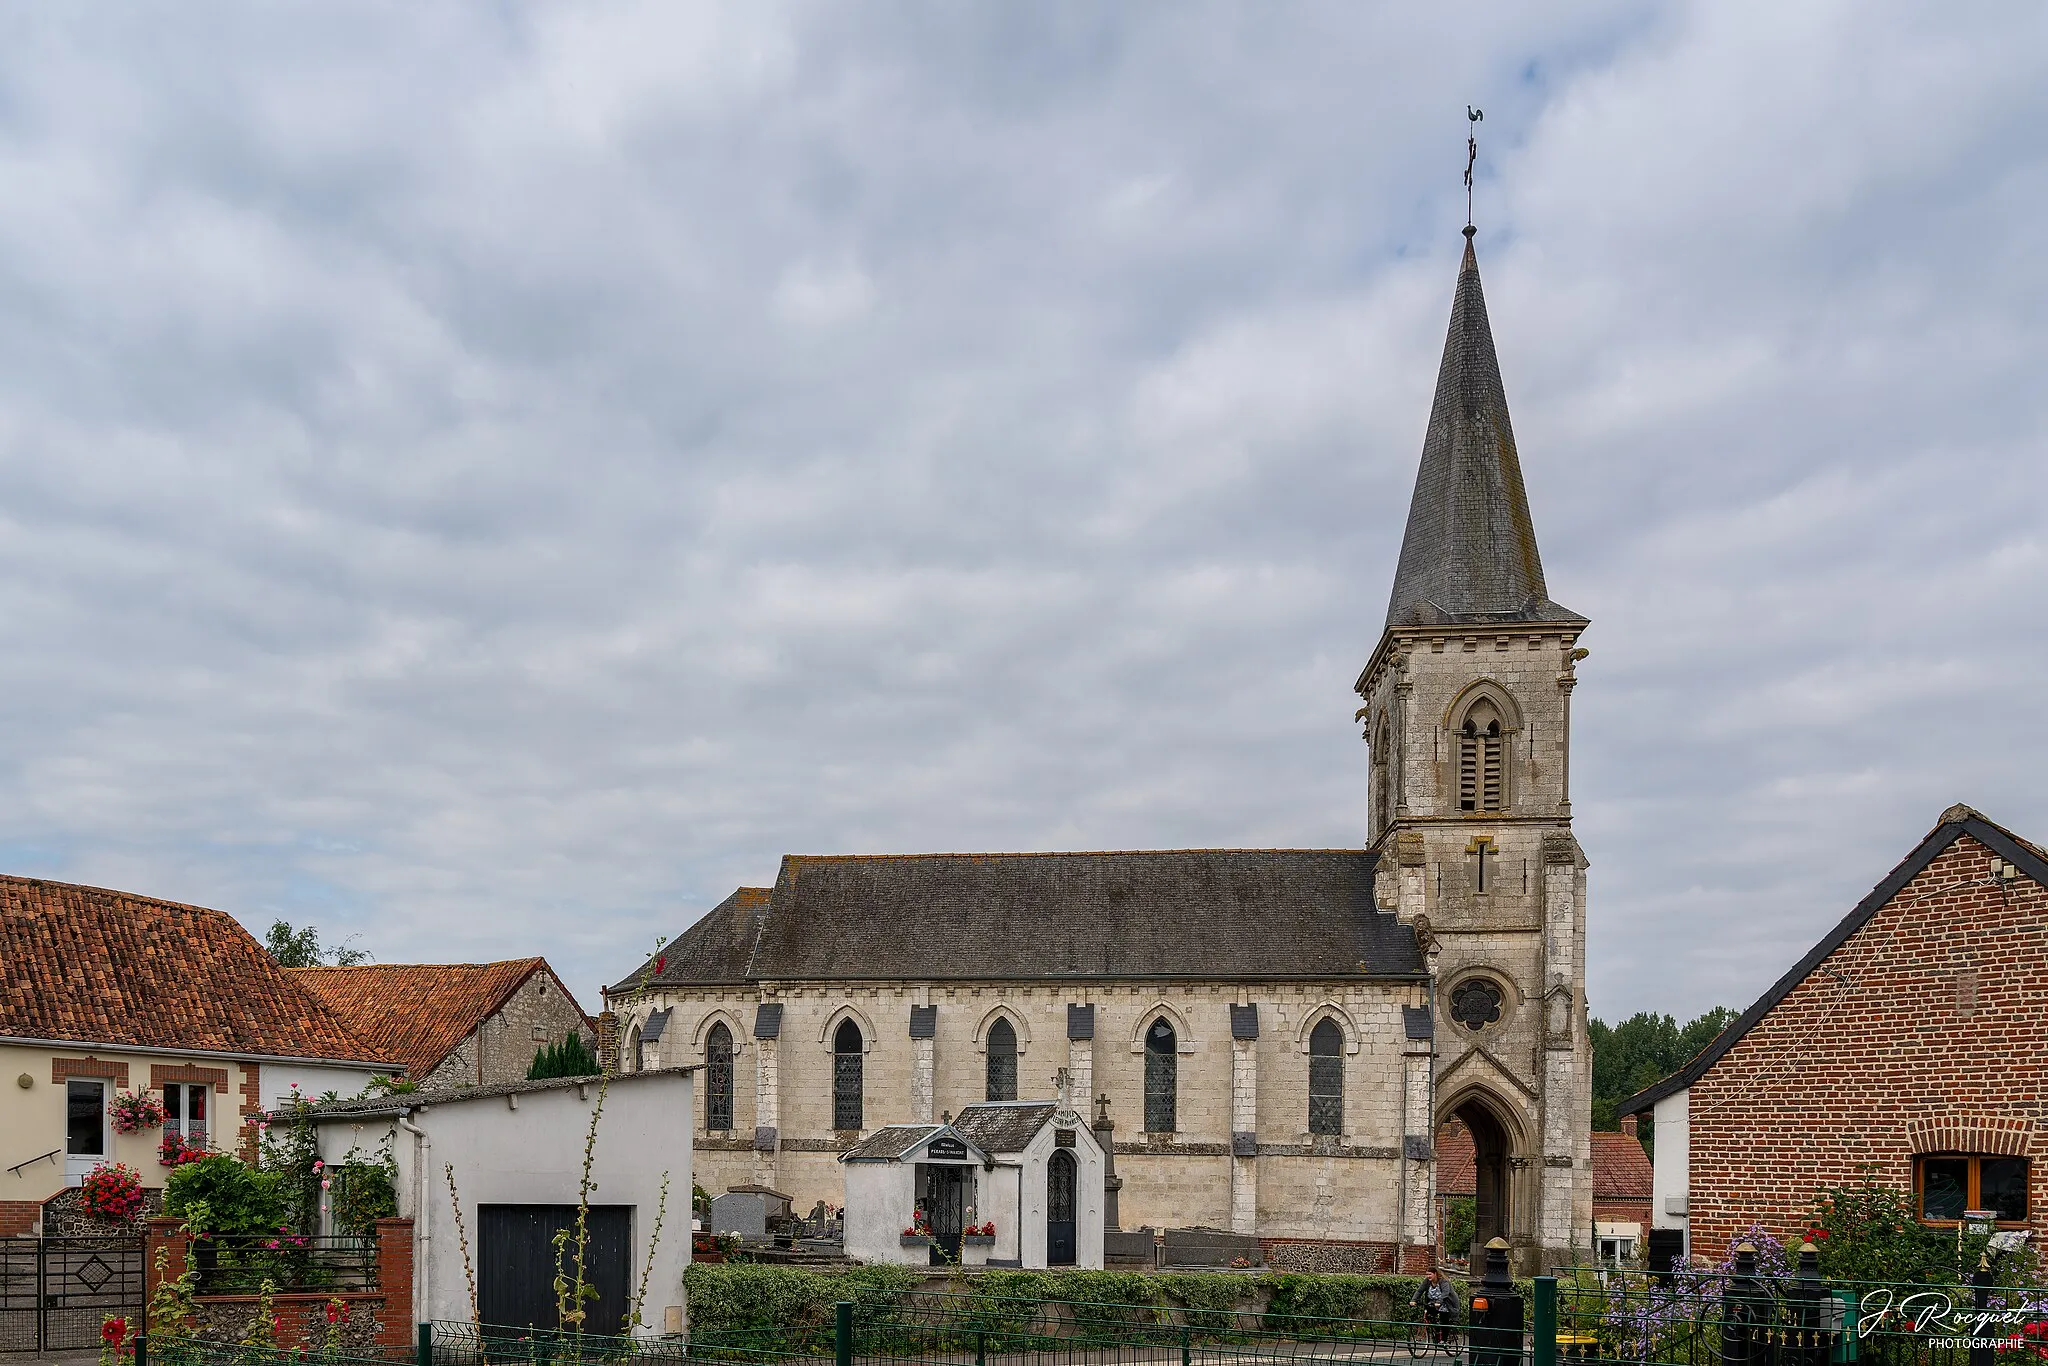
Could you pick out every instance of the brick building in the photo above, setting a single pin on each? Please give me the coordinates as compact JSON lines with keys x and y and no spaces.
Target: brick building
{"x":1909,"y":1047}
{"x":455,"y":1023}
{"x":1279,"y":1032}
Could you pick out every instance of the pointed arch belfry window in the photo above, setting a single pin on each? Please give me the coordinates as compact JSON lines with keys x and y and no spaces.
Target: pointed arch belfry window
{"x":1162,"y":1077}
{"x":1482,"y":741}
{"x":1002,"y":1061}
{"x":847,"y":1065}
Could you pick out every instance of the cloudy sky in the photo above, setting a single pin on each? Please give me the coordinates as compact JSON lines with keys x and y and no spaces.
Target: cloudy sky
{"x":489,"y":479}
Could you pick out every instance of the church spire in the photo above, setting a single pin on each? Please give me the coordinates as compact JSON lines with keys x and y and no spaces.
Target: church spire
{"x":1470,"y":550}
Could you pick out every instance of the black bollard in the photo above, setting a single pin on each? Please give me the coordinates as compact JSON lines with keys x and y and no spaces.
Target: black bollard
{"x":1496,"y":1316}
{"x":1742,"y":1334}
{"x":1807,"y":1303}
{"x":1980,"y":1279}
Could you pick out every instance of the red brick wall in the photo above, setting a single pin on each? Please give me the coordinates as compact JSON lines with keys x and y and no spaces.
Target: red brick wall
{"x":1940,"y":1033}
{"x":394,"y":1279}
{"x":216,"y":1077}
{"x":61,"y":1068}
{"x":19,"y":1216}
{"x":252,"y":1107}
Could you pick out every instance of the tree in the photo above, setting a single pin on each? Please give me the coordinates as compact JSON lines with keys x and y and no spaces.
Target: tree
{"x":1641,"y":1051}
{"x":301,"y":948}
{"x":569,"y":1058}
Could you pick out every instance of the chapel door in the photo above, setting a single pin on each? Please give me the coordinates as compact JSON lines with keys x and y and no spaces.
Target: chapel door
{"x":945,"y":1208}
{"x":1060,"y":1180}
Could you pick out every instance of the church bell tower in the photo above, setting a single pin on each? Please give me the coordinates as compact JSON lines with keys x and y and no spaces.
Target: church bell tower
{"x":1468,"y":716}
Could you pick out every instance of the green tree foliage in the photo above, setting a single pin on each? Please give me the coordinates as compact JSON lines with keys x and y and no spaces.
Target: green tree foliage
{"x":301,"y":948}
{"x":569,"y":1058}
{"x":1641,"y":1051}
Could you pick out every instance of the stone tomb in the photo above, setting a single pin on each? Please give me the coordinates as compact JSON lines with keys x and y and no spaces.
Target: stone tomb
{"x":1031,"y":1168}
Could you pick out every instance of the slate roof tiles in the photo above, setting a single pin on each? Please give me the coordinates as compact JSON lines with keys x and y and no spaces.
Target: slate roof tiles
{"x":1181,"y":913}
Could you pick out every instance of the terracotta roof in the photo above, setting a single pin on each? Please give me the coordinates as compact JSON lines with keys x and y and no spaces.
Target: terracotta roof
{"x":1621,"y":1169}
{"x":1456,"y":1167}
{"x":418,"y":1012}
{"x":87,"y":965}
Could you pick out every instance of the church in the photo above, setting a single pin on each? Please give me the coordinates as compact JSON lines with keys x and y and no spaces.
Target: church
{"x":1277,"y":1035}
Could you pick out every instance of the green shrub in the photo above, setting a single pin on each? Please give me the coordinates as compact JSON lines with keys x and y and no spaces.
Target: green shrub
{"x":218,"y":1194}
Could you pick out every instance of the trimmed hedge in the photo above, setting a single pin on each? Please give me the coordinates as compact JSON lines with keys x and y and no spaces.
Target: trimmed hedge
{"x":738,"y":1297}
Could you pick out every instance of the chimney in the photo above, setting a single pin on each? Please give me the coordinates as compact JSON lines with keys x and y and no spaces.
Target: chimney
{"x":1628,"y":1126}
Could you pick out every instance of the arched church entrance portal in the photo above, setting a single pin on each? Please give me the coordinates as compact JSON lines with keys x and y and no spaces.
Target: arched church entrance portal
{"x":1472,"y":1127}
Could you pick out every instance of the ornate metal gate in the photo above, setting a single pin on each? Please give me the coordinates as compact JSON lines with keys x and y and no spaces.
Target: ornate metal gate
{"x":55,"y":1292}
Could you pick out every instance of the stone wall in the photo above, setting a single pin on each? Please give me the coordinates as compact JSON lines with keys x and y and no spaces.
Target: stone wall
{"x":502,"y":1047}
{"x":1287,"y":1182}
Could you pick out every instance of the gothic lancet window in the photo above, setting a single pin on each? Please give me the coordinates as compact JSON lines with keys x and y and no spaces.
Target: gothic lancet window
{"x":846,"y":1076}
{"x":1481,"y":748}
{"x":718,"y":1077}
{"x":1002,"y":1061}
{"x":1326,"y":1079}
{"x":1162,"y":1064}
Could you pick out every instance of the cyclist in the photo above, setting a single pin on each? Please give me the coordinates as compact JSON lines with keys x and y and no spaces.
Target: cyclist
{"x":1437,"y":1303}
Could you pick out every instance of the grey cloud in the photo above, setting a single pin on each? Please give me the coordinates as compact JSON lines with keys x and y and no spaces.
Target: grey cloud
{"x":490,"y":481}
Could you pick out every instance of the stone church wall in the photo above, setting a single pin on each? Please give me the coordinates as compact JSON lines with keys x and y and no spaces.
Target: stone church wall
{"x":1292,"y":1185}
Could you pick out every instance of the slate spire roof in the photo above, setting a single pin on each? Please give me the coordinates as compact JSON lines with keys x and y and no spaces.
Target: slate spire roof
{"x":1470,"y":554}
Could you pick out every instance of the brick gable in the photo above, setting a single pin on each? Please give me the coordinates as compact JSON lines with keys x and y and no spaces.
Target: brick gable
{"x":1924,"y":1028}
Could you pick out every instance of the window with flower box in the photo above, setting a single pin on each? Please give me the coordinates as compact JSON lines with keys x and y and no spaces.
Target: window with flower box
{"x":185,"y":1111}
{"x":1946,"y":1185}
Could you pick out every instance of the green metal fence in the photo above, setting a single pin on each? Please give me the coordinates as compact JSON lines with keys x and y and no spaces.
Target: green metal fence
{"x":1587,"y":1318}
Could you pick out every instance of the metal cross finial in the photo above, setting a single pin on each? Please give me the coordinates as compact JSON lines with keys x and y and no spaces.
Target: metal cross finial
{"x":1473,"y":117}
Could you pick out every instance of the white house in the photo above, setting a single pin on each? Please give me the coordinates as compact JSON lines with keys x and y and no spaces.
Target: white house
{"x":516,"y":1151}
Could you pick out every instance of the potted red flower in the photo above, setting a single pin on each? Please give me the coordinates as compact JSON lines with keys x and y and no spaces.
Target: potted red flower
{"x":977,"y":1243}
{"x":113,"y":1191}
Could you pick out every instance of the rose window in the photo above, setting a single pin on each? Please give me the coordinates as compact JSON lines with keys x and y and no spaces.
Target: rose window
{"x":1476,"y":1004}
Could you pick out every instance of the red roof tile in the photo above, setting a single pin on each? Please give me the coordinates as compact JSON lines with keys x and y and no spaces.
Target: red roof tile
{"x":1621,"y":1169}
{"x":419,"y":1012}
{"x":1456,"y":1167}
{"x":87,"y":965}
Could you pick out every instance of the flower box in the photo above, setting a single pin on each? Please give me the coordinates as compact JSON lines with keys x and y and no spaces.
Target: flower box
{"x":983,"y":1239}
{"x":917,"y":1239}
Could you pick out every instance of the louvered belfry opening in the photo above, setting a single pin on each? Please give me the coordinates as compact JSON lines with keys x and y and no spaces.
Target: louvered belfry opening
{"x":1481,"y":782}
